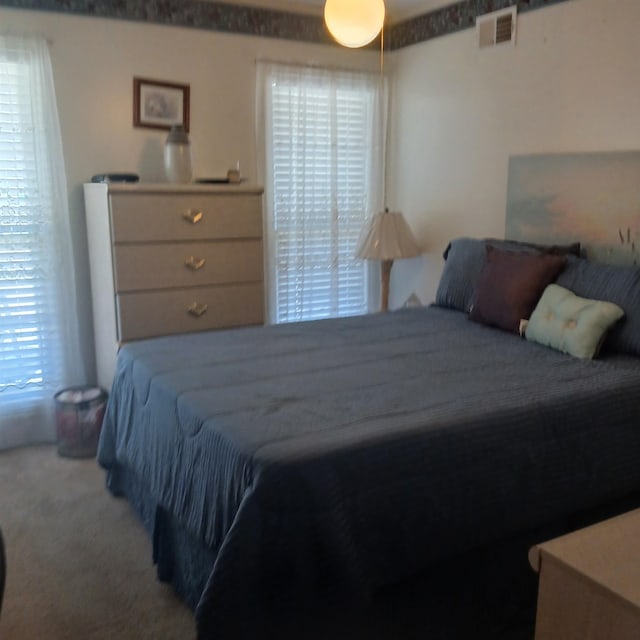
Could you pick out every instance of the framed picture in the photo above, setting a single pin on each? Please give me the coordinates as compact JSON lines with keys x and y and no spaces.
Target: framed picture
{"x":160,"y":105}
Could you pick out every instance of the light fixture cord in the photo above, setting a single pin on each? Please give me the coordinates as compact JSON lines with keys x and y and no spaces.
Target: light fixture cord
{"x":384,"y":138}
{"x":382,"y":52}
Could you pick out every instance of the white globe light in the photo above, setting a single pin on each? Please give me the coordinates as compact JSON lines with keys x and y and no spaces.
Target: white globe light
{"x":354,"y":23}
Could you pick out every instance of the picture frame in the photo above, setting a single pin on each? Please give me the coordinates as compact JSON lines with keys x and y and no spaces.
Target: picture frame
{"x":160,"y":105}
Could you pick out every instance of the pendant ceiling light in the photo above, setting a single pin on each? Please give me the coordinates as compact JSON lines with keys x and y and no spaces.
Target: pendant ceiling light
{"x":354,"y":23}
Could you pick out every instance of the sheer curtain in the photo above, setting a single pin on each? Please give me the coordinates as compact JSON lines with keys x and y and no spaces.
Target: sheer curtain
{"x":321,"y":135}
{"x":39,"y":348}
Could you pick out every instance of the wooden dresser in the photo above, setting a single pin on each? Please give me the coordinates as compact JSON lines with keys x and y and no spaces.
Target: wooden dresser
{"x":169,"y":259}
{"x":589,"y":585}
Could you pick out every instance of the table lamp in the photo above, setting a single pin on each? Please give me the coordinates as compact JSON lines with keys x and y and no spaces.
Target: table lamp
{"x":386,"y":238}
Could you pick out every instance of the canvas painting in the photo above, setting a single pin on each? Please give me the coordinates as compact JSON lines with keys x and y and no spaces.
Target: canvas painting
{"x":593,"y":198}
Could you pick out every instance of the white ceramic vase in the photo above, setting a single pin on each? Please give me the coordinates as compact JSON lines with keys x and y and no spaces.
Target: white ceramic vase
{"x":177,"y":156}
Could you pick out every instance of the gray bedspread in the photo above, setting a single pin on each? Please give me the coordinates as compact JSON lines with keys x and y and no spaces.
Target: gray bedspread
{"x":325,"y":459}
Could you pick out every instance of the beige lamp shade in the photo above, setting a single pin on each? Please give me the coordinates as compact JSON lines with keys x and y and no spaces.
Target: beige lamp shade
{"x":354,"y":23}
{"x":387,"y":237}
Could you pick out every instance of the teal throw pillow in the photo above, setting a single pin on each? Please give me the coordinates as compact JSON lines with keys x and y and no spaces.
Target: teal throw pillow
{"x":568,"y":323}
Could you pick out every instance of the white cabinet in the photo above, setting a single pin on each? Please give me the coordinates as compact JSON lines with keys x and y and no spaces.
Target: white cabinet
{"x":171,"y":259}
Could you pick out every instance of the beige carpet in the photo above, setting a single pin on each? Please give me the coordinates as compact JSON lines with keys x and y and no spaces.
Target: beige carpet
{"x":78,"y":560}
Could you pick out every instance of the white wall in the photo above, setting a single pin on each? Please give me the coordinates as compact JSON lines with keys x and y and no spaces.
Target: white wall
{"x":94,"y":62}
{"x":571,"y":83}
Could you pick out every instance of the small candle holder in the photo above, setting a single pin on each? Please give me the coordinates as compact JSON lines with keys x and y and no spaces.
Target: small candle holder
{"x":233,"y":175}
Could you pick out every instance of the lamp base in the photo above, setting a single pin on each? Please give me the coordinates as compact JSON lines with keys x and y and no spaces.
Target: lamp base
{"x":385,"y":277}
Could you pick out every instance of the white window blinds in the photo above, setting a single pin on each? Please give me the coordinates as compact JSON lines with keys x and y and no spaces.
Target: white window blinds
{"x":323,"y":131}
{"x":25,"y":222}
{"x":38,"y":331}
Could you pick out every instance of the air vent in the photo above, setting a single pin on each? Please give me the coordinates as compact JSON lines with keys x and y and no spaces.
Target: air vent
{"x":497,"y":28}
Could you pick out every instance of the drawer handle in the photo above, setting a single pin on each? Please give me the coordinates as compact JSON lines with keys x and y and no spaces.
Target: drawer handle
{"x":196,"y":309}
{"x":192,"y":216}
{"x":194,"y":263}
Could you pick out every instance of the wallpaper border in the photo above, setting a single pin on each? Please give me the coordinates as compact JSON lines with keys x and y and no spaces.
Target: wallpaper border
{"x":453,"y":18}
{"x":195,"y":14}
{"x":224,"y":17}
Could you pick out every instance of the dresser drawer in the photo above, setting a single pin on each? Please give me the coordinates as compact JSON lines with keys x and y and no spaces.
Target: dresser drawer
{"x":186,"y":264}
{"x":190,"y":216}
{"x":144,"y":315}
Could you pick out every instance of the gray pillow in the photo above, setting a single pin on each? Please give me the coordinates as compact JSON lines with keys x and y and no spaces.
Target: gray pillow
{"x":620,"y":285}
{"x":465,"y":258}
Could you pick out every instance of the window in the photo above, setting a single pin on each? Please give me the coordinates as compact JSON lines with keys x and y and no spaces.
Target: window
{"x":323,"y":131}
{"x":37,"y":312}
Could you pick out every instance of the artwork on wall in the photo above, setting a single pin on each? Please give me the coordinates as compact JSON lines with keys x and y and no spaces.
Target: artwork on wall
{"x":160,"y":105}
{"x":593,"y":198}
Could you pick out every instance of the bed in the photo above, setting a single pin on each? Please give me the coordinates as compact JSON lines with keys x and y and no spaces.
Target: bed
{"x":288,"y":471}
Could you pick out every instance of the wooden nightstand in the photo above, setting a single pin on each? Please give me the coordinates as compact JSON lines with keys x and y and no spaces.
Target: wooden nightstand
{"x":589,"y":585}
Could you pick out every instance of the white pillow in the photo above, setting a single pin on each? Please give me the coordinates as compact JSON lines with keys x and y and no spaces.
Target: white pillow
{"x":568,"y":323}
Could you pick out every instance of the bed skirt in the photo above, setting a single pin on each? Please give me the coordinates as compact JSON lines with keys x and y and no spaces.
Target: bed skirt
{"x":485,"y":593}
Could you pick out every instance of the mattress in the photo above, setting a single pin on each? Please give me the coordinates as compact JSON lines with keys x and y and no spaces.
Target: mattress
{"x":319,"y":461}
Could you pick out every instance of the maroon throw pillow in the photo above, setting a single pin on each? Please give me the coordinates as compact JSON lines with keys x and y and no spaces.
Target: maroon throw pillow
{"x":510,"y":286}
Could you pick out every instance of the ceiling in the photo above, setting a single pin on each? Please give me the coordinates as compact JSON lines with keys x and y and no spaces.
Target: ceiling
{"x":396,"y":9}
